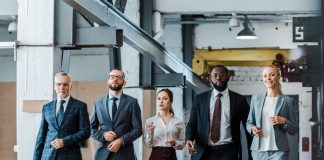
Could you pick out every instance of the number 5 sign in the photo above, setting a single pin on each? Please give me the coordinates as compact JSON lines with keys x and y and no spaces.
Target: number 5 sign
{"x":306,"y":29}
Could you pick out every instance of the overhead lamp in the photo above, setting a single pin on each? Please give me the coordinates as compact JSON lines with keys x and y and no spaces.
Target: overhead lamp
{"x":234,"y":21}
{"x":247,"y":32}
{"x":12,"y":27}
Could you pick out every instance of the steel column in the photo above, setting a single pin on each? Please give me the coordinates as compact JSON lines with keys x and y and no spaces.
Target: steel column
{"x":187,"y":51}
{"x":146,"y":9}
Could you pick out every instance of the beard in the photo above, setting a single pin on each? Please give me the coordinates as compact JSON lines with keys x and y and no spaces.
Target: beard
{"x":220,"y":88}
{"x":116,"y":88}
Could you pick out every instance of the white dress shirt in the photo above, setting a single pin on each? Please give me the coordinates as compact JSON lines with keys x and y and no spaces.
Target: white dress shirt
{"x":173,"y":130}
{"x":225,"y":129}
{"x":268,"y":142}
{"x":64,"y":104}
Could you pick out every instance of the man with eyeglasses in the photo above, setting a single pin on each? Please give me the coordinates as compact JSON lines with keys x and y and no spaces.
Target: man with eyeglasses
{"x":64,"y":125}
{"x":116,"y":121}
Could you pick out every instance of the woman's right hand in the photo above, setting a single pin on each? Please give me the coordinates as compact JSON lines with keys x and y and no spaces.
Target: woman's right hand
{"x":151,"y":128}
{"x":256,"y":132}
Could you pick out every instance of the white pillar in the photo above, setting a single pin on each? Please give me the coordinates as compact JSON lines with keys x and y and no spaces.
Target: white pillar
{"x":36,"y":65}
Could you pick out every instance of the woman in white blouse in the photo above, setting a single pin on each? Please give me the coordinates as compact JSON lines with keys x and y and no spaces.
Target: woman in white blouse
{"x":164,"y":133}
{"x":272,"y":115}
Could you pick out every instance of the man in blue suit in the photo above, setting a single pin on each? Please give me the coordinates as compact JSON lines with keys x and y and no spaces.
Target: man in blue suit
{"x":213,"y":130}
{"x":116,"y":121}
{"x":64,"y":126}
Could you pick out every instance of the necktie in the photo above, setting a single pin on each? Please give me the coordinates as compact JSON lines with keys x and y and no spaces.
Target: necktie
{"x":60,"y":112}
{"x":215,"y":129}
{"x":114,"y":108}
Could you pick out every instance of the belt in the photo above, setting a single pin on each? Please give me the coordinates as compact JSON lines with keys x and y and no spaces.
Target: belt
{"x":220,"y":146}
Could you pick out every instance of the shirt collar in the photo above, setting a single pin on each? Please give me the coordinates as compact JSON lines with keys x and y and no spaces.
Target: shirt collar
{"x":215,"y":92}
{"x":66,"y":99}
{"x":158,"y":115}
{"x":111,"y":96}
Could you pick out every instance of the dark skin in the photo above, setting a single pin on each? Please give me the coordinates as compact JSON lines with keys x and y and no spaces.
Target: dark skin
{"x":219,"y":77}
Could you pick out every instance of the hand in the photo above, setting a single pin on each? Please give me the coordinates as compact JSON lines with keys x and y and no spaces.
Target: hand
{"x":115,"y":145}
{"x":57,"y":143}
{"x":256,"y":132}
{"x":110,"y":136}
{"x":151,"y":128}
{"x":191,"y":147}
{"x":276,"y":120}
{"x":171,"y":143}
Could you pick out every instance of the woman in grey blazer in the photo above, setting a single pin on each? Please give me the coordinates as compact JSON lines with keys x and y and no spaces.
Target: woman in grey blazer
{"x":271,"y":115}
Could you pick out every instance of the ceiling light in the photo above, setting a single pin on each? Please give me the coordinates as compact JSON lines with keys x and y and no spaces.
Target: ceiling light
{"x":247,"y":32}
{"x":12,"y":27}
{"x":234,"y":21}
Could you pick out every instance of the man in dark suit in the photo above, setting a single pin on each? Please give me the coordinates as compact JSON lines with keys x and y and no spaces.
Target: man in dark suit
{"x":116,"y":121}
{"x":65,"y":124}
{"x":213,"y":130}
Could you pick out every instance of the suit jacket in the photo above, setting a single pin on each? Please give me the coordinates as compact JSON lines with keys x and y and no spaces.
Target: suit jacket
{"x":127,"y":125}
{"x":286,"y":107}
{"x":74,"y":129}
{"x":198,"y":126}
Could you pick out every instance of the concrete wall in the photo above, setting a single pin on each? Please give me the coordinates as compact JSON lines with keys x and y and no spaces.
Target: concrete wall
{"x":8,"y":7}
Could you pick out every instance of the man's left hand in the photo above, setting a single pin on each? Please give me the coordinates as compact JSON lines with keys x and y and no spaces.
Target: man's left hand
{"x":57,"y":143}
{"x":115,"y":145}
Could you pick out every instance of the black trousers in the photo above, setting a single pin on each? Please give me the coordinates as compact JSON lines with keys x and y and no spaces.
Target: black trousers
{"x":163,"y":153}
{"x":221,"y":152}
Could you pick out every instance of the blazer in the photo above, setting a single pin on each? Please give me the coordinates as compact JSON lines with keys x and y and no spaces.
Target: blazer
{"x":74,"y":130}
{"x":127,"y":124}
{"x":198,"y":126}
{"x":285,"y":107}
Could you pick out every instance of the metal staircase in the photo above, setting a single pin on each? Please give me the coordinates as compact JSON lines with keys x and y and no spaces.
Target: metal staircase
{"x":103,"y":13}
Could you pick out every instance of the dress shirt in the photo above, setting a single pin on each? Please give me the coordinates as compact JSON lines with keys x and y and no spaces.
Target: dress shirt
{"x":64,"y":104}
{"x":225,"y":129}
{"x":110,"y":102}
{"x":268,"y":142}
{"x":173,"y":130}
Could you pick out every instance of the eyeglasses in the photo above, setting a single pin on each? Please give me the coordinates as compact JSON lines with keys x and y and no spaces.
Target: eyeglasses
{"x":113,"y":77}
{"x":62,"y":84}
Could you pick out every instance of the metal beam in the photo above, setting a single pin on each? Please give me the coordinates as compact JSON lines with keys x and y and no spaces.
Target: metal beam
{"x":104,"y":13}
{"x":7,"y":45}
{"x":63,"y":27}
{"x":96,"y":36}
{"x":114,"y":58}
{"x":65,"y":60}
{"x":169,"y":80}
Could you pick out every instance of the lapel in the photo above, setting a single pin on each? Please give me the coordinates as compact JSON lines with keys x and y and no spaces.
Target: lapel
{"x":232,"y":103}
{"x":53,"y":110}
{"x":104,"y":109}
{"x":279,"y":103}
{"x":68,"y":110}
{"x":123,"y":99}
{"x":207,"y":104}
{"x":260,"y":101}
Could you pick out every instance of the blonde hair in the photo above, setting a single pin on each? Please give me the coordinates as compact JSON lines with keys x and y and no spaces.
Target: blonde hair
{"x":278,"y":74}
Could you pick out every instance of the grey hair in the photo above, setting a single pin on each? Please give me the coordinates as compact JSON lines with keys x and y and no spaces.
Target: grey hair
{"x":64,"y":74}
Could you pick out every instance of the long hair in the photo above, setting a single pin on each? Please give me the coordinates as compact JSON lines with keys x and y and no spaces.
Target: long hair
{"x":170,"y":94}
